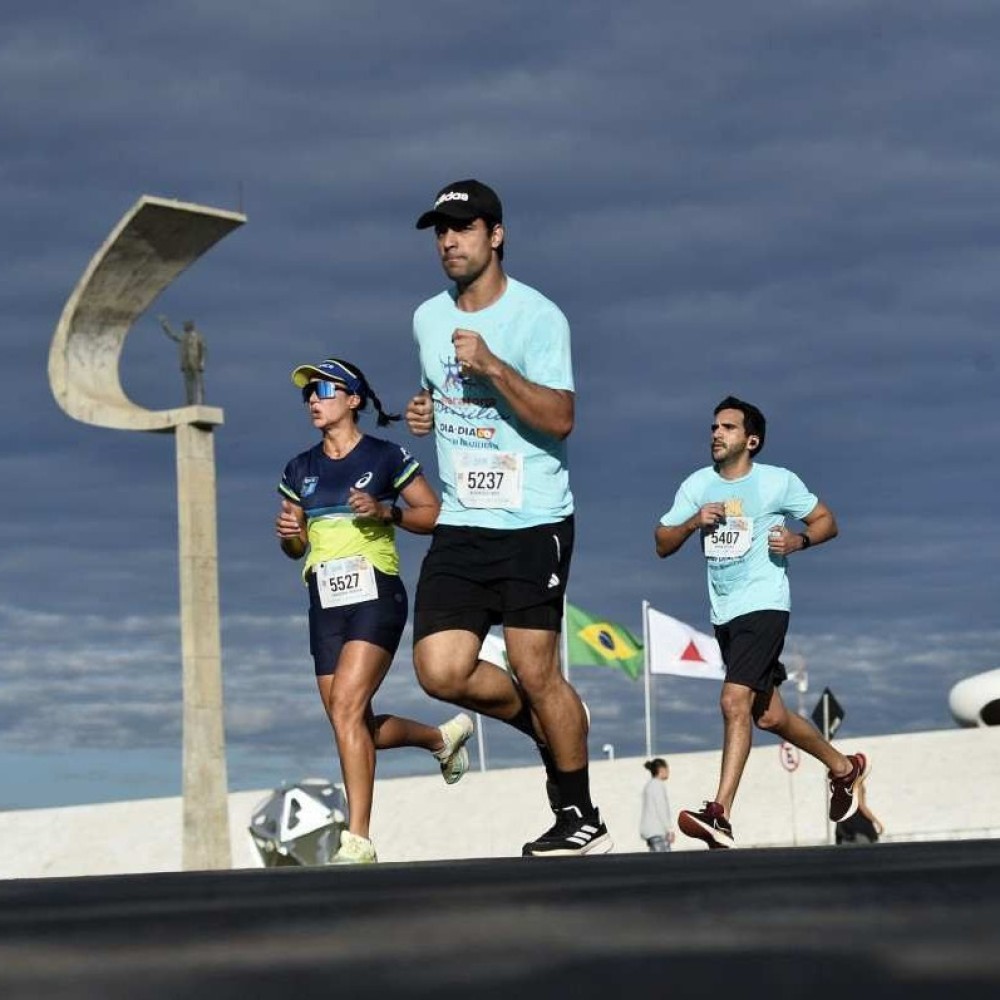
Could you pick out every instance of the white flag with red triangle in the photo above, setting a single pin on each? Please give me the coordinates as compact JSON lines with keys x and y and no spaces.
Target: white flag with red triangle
{"x":676,"y":648}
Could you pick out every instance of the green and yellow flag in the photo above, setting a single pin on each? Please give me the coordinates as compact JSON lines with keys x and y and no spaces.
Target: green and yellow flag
{"x":598,"y":642}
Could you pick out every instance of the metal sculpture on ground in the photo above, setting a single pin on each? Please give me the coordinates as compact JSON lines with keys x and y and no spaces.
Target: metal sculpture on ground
{"x":299,"y":824}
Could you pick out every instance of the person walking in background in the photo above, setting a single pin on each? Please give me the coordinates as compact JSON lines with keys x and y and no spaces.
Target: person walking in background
{"x":339,"y":509}
{"x":737,"y":507}
{"x":498,"y":393}
{"x":655,"y":824}
{"x":864,"y":827}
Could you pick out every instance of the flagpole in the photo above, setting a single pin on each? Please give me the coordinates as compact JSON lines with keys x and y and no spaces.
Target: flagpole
{"x":565,"y":640}
{"x":480,"y":742}
{"x":647,"y":678}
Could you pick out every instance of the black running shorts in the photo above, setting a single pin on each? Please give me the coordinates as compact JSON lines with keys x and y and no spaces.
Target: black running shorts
{"x":751,"y":645}
{"x":472,"y":578}
{"x":379,"y":622}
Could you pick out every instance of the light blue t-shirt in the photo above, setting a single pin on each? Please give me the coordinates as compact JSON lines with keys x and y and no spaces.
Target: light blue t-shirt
{"x":752,"y":580}
{"x":481,"y":444}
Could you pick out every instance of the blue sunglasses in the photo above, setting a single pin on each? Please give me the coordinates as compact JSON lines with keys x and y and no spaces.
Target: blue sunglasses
{"x":323,"y":390}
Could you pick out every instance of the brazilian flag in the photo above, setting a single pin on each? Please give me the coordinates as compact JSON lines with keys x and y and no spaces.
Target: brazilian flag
{"x":599,"y":642}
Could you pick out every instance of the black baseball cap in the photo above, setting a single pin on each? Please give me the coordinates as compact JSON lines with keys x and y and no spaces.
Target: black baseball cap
{"x":462,"y":201}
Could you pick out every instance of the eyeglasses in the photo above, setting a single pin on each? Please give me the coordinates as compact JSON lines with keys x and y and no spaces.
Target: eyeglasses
{"x":323,"y":390}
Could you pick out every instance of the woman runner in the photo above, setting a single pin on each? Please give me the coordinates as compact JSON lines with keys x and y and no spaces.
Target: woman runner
{"x":339,"y":509}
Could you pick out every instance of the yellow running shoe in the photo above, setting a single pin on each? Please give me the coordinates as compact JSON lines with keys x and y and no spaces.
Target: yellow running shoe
{"x":355,"y":850}
{"x":453,"y":757}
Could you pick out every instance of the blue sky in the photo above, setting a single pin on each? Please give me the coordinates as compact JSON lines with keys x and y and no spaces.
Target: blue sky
{"x":798,"y":204}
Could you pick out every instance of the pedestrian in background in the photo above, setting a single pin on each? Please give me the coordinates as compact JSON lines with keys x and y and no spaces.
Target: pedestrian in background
{"x":655,"y":825}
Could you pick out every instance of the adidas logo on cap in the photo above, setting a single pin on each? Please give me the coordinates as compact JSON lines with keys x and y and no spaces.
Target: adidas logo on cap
{"x":452,"y":196}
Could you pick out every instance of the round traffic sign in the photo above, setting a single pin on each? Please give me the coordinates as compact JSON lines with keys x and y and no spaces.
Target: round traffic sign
{"x":790,"y":756}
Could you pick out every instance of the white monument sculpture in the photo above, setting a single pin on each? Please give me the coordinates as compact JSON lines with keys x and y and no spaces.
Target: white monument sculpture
{"x":151,"y":245}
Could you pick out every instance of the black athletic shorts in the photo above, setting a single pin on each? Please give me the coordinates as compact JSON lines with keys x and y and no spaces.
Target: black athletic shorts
{"x":472,"y":578}
{"x":751,"y":645}
{"x":379,"y":622}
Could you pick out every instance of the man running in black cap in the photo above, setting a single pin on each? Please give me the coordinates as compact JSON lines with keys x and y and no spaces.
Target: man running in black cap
{"x":498,"y":394}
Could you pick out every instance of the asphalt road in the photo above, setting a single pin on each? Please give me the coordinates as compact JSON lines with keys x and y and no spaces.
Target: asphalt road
{"x":886,"y":921}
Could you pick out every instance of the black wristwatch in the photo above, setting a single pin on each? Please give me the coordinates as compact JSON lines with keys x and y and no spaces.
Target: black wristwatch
{"x":806,"y":540}
{"x":396,"y":514}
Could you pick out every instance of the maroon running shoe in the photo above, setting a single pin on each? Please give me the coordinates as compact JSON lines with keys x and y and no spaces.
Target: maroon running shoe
{"x":844,"y":791}
{"x":708,"y":824}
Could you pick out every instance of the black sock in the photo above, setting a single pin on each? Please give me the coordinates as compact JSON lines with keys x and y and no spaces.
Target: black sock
{"x":551,"y":772}
{"x":574,"y":790}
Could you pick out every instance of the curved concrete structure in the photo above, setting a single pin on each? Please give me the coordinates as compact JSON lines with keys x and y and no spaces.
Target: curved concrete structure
{"x":975,"y":700}
{"x":153,"y":243}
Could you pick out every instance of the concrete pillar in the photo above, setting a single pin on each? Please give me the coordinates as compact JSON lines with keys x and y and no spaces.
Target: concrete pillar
{"x":206,"y":821}
{"x":151,"y":245}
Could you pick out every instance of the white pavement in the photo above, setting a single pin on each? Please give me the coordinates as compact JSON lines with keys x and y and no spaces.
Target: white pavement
{"x":924,"y":786}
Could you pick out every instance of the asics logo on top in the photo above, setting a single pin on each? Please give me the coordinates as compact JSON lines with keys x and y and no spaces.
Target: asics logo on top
{"x":452,"y":196}
{"x":363,"y":481}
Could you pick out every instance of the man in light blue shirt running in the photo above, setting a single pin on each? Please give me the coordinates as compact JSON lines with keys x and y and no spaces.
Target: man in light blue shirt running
{"x":738,"y":507}
{"x":497,"y":391}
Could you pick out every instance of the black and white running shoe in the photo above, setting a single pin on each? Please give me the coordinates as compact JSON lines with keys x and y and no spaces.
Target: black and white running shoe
{"x":574,"y":833}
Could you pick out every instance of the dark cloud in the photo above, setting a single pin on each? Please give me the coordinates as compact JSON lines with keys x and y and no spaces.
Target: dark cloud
{"x":795,"y":204}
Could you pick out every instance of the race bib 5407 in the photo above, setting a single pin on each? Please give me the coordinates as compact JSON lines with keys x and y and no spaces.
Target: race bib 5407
{"x":730,"y":539}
